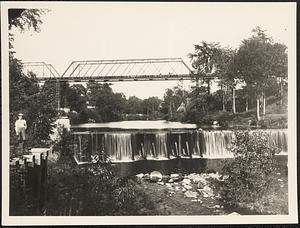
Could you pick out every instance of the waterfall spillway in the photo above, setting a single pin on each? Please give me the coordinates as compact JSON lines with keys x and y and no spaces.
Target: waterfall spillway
{"x":216,"y":144}
{"x":279,"y":138}
{"x":163,"y":144}
{"x":118,"y":146}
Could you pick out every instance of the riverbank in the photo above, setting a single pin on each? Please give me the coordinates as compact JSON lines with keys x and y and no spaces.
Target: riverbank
{"x":199,"y":194}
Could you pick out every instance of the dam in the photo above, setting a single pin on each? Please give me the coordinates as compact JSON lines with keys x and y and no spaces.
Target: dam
{"x":132,"y":141}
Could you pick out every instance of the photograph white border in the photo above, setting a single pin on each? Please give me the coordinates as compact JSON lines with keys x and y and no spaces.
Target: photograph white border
{"x":129,"y":220}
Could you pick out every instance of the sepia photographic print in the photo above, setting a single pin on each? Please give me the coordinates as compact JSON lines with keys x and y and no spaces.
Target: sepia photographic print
{"x":148,"y":113}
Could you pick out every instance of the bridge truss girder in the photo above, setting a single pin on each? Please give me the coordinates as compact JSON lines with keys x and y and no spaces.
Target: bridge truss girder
{"x":43,"y":71}
{"x":158,"y":69}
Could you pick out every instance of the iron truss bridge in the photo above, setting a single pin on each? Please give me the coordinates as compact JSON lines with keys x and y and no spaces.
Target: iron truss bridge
{"x":43,"y":71}
{"x":128,"y":70}
{"x":158,"y":69}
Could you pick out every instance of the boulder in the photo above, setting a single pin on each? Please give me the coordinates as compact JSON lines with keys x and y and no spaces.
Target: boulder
{"x":155,"y":176}
{"x":200,"y":185}
{"x":165,"y":178}
{"x":147,"y":176}
{"x":190,"y":194}
{"x":208,"y":191}
{"x":169,"y":185}
{"x":186,"y":181}
{"x":188,"y":187}
{"x":140,"y":175}
{"x":205,"y":195}
{"x":177,"y":188}
{"x":170,"y":181}
{"x":214,"y":175}
{"x":176,"y":177}
{"x":196,"y":178}
{"x":206,"y":188}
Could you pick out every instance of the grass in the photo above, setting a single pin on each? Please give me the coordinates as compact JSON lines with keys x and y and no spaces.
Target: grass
{"x":276,"y":116}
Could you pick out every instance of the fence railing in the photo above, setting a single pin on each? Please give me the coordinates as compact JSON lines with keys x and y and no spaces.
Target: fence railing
{"x":31,"y":180}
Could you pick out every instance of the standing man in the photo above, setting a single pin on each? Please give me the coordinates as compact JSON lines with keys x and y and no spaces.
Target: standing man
{"x":20,"y":127}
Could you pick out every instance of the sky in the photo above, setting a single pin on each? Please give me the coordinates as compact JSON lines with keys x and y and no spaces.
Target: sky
{"x":111,"y":30}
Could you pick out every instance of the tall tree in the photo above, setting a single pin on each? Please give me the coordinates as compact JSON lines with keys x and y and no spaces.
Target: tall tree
{"x":204,"y":61}
{"x":151,"y":105}
{"x":172,"y":100}
{"x":24,"y":19}
{"x":260,"y":61}
{"x":228,"y":79}
{"x":76,"y":97}
{"x":25,"y":94}
{"x":108,"y":104}
{"x":134,"y":105}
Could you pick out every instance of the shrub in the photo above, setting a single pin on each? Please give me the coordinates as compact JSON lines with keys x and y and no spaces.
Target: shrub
{"x":129,"y":199}
{"x":252,"y":172}
{"x":64,"y":143}
{"x":89,"y":190}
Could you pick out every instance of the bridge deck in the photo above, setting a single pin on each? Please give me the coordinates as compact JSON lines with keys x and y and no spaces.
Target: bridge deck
{"x":120,"y":78}
{"x":159,"y":69}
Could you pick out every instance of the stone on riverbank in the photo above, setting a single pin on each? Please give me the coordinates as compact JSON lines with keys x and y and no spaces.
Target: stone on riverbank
{"x":155,"y":176}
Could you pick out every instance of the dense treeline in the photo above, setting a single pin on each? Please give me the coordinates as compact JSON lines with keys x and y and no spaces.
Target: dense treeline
{"x":249,"y":78}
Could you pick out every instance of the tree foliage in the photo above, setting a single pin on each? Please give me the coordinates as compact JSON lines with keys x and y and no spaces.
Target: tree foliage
{"x":259,"y":61}
{"x":253,"y":169}
{"x":204,"y":61}
{"x":37,"y":104}
{"x":109,"y":105}
{"x":134,"y":105}
{"x":25,"y":19}
{"x":151,"y":105}
{"x":93,"y":190}
{"x":76,"y":97}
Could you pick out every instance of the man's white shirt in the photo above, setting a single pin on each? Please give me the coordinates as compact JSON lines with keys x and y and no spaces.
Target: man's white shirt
{"x":20,"y":124}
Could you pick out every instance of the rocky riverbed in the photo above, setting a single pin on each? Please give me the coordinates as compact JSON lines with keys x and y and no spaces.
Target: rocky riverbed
{"x":188,"y":194}
{"x":178,"y":194}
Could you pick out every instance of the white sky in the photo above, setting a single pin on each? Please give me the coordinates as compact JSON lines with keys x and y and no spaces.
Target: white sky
{"x":94,"y":31}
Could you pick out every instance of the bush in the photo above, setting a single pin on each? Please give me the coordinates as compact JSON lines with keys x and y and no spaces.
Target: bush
{"x":64,"y":144}
{"x":253,"y":170}
{"x":89,"y":190}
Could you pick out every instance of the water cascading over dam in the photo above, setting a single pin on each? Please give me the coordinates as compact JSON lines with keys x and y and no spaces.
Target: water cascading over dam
{"x":157,"y":140}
